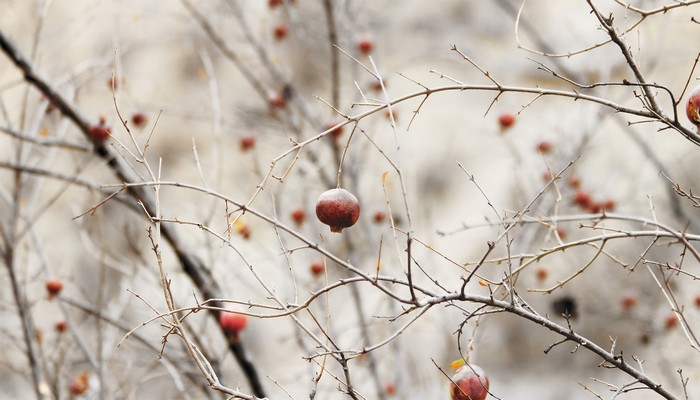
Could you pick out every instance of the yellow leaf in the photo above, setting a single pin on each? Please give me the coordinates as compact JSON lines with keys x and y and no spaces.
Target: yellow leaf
{"x":456,"y":364}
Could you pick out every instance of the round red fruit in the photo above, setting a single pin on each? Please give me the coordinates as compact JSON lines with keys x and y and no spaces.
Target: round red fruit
{"x":365,"y":46}
{"x":100,"y":132}
{"x":280,"y":32}
{"x":671,"y":321}
{"x":379,"y":217}
{"x":575,"y":182}
{"x":506,"y":120}
{"x":542,"y":273}
{"x":692,"y":109}
{"x":338,"y":209}
{"x":317,"y":269}
{"x":53,"y":287}
{"x":247,"y":142}
{"x":61,"y":326}
{"x":298,"y":216}
{"x":232,"y":322}
{"x":278,"y":101}
{"x":582,"y":199}
{"x":544,"y":147}
{"x":628,"y":301}
{"x":274,"y":3}
{"x":469,"y":383}
{"x":608,"y":205}
{"x":139,"y":119}
{"x":337,"y":132}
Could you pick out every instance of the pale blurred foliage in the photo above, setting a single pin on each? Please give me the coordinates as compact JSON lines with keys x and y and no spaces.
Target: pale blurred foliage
{"x":159,"y":51}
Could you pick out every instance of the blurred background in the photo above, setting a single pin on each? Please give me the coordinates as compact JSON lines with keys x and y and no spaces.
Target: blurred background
{"x":196,"y":81}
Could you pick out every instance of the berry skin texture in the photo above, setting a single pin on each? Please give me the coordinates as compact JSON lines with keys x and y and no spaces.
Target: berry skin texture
{"x":338,"y":209}
{"x":365,"y":46}
{"x":692,"y":109}
{"x":53,"y":287}
{"x":506,"y":121}
{"x":233,"y":323}
{"x":469,"y":383}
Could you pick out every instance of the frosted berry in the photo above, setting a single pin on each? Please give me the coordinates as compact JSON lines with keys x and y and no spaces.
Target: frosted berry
{"x":338,"y":209}
{"x":469,"y":383}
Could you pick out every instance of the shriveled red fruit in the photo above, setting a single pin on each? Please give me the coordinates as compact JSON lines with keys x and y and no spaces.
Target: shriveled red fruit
{"x":298,"y":216}
{"x":233,"y":323}
{"x":100,"y":132}
{"x":469,"y":383}
{"x":317,"y":269}
{"x":365,"y":46}
{"x":692,"y":108}
{"x":280,"y":32}
{"x":53,"y":287}
{"x":247,"y":142}
{"x":544,"y":147}
{"x":338,"y":209}
{"x":506,"y":121}
{"x":139,"y":119}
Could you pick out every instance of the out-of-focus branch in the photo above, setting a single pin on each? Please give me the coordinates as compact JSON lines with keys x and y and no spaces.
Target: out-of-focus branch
{"x":191,"y":264}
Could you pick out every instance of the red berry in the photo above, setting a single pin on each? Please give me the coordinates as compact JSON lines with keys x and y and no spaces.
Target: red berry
{"x":278,"y":101}
{"x":114,"y":82}
{"x":365,"y":46}
{"x":53,"y":287}
{"x":232,"y":322}
{"x":338,"y":209}
{"x":138,"y":119}
{"x":100,"y":132}
{"x":393,"y":113}
{"x":692,"y":109}
{"x":390,"y":389}
{"x":469,"y":383}
{"x":317,"y":269}
{"x":247,"y":142}
{"x":61,"y":326}
{"x":628,"y":301}
{"x":544,"y":147}
{"x":298,"y":216}
{"x":582,"y":199}
{"x":280,"y":32}
{"x":79,"y":385}
{"x":608,"y":205}
{"x":506,"y":120}
{"x":561,"y":233}
{"x":379,"y":217}
{"x":274,"y":3}
{"x":697,"y":300}
{"x":542,"y":273}
{"x":575,"y":182}
{"x":337,"y":132}
{"x":671,"y":321}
